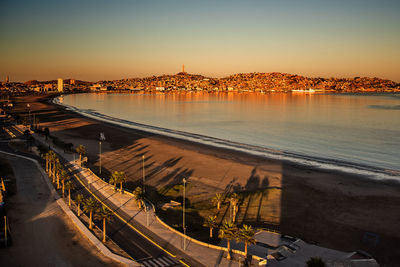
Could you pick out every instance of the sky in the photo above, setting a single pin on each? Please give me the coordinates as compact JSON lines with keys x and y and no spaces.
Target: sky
{"x":105,"y":40}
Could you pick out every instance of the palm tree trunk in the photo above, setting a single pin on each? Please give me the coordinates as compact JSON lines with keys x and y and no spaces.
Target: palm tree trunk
{"x":211,"y":232}
{"x":245,"y":249}
{"x":90,"y":220}
{"x":58,"y":182}
{"x":104,"y":229}
{"x":218,"y":205}
{"x":54,"y":173}
{"x":69,"y":197}
{"x":79,"y":210}
{"x":121,"y":187}
{"x":229,"y":250}
{"x":63,"y":187}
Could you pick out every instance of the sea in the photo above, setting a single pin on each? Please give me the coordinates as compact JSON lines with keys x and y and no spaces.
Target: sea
{"x":354,"y":133}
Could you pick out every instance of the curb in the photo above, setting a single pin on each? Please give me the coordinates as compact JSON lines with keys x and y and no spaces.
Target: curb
{"x":78,"y":224}
{"x":198,"y":242}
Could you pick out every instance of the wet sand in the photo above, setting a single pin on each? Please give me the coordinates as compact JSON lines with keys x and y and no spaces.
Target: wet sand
{"x":332,"y":209}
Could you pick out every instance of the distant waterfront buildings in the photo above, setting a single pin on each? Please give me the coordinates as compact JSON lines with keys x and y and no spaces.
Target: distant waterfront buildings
{"x":72,"y":82}
{"x":60,"y":85}
{"x":7,"y":79}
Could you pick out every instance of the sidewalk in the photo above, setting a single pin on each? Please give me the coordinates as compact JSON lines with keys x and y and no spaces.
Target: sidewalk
{"x":126,"y":208}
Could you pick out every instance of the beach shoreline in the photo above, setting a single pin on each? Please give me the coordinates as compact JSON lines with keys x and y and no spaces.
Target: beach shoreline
{"x":365,"y":171}
{"x":332,"y":208}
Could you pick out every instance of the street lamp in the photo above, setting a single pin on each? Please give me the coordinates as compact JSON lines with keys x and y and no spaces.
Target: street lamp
{"x":100,"y":157}
{"x":102,"y":138}
{"x":29,"y":108}
{"x":184,"y":203}
{"x":147,"y":212}
{"x":144,"y":179}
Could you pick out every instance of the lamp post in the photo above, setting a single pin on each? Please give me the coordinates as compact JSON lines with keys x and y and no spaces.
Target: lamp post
{"x":100,"y":157}
{"x":102,"y":138}
{"x":29,"y":109}
{"x":147,"y":213}
{"x":144,"y":179}
{"x":184,"y":204}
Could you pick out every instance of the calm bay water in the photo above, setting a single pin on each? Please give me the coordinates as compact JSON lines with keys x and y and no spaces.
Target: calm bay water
{"x":349,"y":130}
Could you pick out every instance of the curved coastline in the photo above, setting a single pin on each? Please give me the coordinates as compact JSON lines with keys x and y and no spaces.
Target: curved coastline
{"x":304,"y":160}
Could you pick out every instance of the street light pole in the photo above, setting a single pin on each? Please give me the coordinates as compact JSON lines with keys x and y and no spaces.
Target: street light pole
{"x":100,"y":157}
{"x":144,"y":179}
{"x":147,"y":213}
{"x":184,"y":204}
{"x":102,"y":138}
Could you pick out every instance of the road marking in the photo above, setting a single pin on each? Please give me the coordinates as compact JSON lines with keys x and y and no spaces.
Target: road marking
{"x":146,"y":264}
{"x":153,"y":263}
{"x":169,"y":261}
{"x":159,"y":262}
{"x":181,"y":261}
{"x":165,"y":262}
{"x":122,"y":219}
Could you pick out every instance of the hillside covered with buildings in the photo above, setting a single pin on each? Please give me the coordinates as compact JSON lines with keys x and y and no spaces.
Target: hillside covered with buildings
{"x":242,"y":82}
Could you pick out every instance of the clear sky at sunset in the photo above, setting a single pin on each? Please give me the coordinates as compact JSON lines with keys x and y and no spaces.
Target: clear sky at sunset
{"x":96,"y":40}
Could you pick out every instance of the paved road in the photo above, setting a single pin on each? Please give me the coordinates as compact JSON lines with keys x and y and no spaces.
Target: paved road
{"x":138,"y":247}
{"x":42,"y":234}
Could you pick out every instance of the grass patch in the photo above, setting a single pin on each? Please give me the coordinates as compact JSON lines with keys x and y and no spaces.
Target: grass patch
{"x":257,"y":208}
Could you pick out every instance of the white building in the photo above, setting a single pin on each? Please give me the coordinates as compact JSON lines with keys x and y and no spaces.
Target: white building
{"x":60,"y":85}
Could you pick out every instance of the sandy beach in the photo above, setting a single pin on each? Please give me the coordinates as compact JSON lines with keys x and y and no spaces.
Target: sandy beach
{"x":337,"y":210}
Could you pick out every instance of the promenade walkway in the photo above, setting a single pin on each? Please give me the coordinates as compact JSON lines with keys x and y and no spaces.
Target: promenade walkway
{"x":126,"y":209}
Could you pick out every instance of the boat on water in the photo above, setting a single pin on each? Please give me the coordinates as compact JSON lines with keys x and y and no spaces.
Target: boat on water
{"x":309,"y":90}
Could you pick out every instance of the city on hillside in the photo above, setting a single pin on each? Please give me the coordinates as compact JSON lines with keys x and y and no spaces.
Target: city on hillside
{"x":183,"y":81}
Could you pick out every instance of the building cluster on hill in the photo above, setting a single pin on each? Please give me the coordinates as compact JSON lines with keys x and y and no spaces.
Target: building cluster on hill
{"x":59,"y":85}
{"x":252,"y":82}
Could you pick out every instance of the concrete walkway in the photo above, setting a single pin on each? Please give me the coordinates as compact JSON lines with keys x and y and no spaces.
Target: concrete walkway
{"x":43,"y":234}
{"x":125,"y":207}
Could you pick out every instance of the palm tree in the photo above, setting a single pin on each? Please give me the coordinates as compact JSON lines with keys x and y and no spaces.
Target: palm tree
{"x":81,"y":151}
{"x":113,"y":179}
{"x":79,"y":200}
{"x":59,"y":168}
{"x":63,"y":176}
{"x":90,"y":206}
{"x":315,"y":262}
{"x":104,"y":214}
{"x":55,"y":164}
{"x":121,"y":178}
{"x":51,"y":158}
{"x":47,"y":156}
{"x":211,"y":222}
{"x":217,"y":200}
{"x":228,"y":231}
{"x":138,"y":196}
{"x":234,"y":199}
{"x":69,"y":186}
{"x":246,"y":235}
